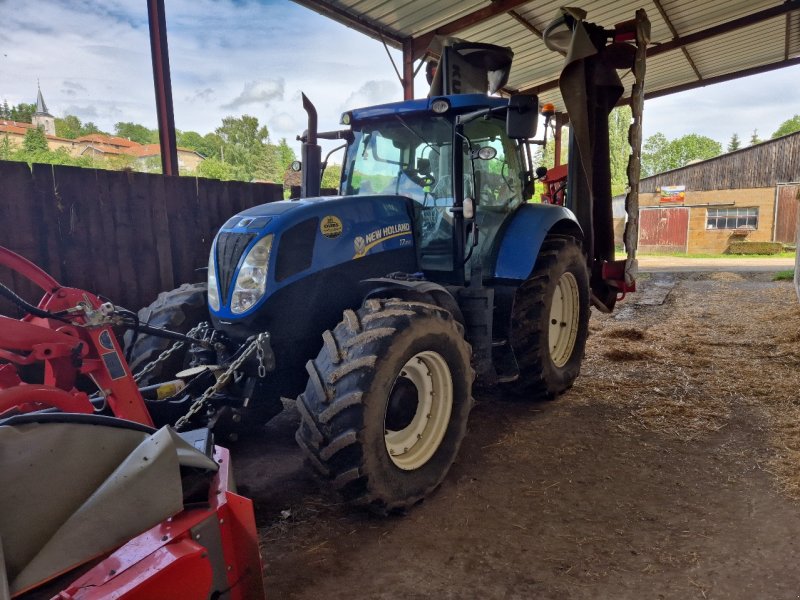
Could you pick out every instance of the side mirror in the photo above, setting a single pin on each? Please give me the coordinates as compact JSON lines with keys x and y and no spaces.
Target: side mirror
{"x":296,"y":166}
{"x":522,"y":116}
{"x":541,"y":172}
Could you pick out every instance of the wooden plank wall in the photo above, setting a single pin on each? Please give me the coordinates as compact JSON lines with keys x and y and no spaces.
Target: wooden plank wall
{"x":124,"y":235}
{"x":759,"y":166}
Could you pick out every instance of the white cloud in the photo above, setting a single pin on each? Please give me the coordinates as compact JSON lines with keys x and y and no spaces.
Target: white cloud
{"x":257,"y":92}
{"x":220,"y":47}
{"x":371,"y":93}
{"x":283,"y":125}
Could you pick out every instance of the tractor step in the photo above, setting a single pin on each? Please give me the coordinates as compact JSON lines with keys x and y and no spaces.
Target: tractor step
{"x":505,"y":363}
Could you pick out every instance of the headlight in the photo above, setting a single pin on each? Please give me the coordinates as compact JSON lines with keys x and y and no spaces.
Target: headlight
{"x":251,"y":282}
{"x":213,"y":289}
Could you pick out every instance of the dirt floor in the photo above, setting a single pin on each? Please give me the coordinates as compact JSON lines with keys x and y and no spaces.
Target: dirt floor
{"x":670,"y":470}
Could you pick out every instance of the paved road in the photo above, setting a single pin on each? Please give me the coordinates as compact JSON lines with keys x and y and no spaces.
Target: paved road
{"x":676,"y":264}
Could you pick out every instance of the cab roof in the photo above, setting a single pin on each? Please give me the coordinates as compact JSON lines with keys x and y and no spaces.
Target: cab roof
{"x":458,"y":104}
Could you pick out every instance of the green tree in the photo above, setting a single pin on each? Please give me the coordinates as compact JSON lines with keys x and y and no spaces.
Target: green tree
{"x":287,"y":155}
{"x":136,"y":133}
{"x":22,"y":112}
{"x":244,"y":144}
{"x":268,"y":166}
{"x":189,"y":139}
{"x":214,"y":168}
{"x":654,"y":155}
{"x":35,"y":141}
{"x":5,"y":111}
{"x":788,"y":126}
{"x":212,"y":146}
{"x":754,"y":139}
{"x":5,"y":148}
{"x":619,"y":122}
{"x":735,"y":143}
{"x":69,"y":127}
{"x":89,"y":128}
{"x":332,"y":176}
{"x":660,"y":154}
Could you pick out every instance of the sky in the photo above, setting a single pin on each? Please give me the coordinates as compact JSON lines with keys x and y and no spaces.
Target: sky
{"x":233,"y":57}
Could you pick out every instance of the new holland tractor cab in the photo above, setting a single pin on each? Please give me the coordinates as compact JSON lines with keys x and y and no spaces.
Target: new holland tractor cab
{"x":376,"y":308}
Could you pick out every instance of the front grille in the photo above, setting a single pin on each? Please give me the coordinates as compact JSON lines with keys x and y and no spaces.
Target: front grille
{"x":230,"y":247}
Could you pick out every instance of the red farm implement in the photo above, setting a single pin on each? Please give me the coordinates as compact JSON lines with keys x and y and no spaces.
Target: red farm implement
{"x":94,"y":501}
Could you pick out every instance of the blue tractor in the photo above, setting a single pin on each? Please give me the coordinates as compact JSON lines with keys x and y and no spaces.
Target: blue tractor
{"x":377,"y":308}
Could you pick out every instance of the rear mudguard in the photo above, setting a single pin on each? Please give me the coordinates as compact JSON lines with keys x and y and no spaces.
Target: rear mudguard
{"x":522,"y":238}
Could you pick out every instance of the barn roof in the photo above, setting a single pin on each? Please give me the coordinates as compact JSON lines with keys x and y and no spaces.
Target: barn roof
{"x":760,"y":165}
{"x":693,"y":43}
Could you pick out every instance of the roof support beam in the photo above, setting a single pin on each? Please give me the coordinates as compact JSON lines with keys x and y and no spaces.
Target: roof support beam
{"x":408,"y":71}
{"x":675,"y":36}
{"x":354,"y":21}
{"x":497,"y":7}
{"x":693,"y":38}
{"x":718,"y":79}
{"x":722,"y":28}
{"x":525,"y":23}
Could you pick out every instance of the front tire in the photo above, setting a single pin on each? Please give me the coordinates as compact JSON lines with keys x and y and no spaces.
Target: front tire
{"x":550,"y":320}
{"x":178,"y":310}
{"x":387,"y":403}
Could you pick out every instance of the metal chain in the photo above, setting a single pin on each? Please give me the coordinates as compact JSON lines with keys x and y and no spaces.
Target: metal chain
{"x":262,"y":368}
{"x":166,"y":353}
{"x":255,"y":346}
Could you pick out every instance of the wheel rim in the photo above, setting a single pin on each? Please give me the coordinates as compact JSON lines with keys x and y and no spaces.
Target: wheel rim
{"x":564,"y":317}
{"x":418,"y":410}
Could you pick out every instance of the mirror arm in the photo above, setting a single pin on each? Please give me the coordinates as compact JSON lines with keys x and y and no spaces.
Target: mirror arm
{"x":484,"y":112}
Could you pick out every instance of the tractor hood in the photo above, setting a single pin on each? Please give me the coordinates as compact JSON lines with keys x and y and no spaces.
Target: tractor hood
{"x":305,"y":237}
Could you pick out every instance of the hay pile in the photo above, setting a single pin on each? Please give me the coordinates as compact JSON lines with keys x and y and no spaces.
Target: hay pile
{"x":725,"y":347}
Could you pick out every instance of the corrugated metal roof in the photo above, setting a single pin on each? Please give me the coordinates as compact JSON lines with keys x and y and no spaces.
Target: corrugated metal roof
{"x":759,"y":44}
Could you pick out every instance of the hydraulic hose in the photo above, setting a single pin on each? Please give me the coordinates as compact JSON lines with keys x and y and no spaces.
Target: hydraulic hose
{"x":27,"y":307}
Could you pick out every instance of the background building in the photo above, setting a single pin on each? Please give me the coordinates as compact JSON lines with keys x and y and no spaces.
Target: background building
{"x":747,"y":195}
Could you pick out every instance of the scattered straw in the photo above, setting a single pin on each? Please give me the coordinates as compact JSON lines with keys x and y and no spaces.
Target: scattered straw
{"x":720,"y":351}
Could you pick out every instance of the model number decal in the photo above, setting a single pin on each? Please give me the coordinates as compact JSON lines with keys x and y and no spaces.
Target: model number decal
{"x":363,"y":244}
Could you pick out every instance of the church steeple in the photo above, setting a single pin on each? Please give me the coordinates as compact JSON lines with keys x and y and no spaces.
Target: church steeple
{"x":41,"y":107}
{"x":42,"y":118}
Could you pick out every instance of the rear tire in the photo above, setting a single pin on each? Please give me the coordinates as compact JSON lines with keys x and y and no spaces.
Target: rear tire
{"x":387,"y":403}
{"x":178,"y":310}
{"x":550,"y":320}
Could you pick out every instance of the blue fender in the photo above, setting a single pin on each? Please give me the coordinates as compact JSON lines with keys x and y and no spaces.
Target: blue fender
{"x":524,"y":235}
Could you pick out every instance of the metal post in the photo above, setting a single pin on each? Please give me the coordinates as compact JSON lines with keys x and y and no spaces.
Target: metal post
{"x":557,"y":140}
{"x":156,"y":16}
{"x":408,"y":70}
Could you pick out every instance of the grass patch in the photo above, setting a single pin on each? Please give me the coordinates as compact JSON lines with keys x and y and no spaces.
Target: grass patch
{"x":732,"y":256}
{"x":787,"y":275}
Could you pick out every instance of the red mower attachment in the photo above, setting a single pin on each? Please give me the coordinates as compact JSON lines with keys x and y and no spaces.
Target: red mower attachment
{"x":98,"y":506}
{"x":79,"y":342}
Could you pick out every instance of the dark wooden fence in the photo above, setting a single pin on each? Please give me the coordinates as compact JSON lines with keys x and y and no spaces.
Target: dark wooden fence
{"x":124,"y":235}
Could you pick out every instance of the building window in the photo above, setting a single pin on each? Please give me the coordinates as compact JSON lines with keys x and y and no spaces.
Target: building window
{"x":732,"y":218}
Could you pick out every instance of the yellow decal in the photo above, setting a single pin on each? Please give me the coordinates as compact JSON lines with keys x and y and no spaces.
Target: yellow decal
{"x":364,"y":244}
{"x":330,"y":227}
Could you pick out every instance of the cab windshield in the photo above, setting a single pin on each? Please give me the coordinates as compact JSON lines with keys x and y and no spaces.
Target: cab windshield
{"x":402,"y":156}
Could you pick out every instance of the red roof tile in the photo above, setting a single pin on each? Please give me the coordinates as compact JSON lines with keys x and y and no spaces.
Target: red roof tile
{"x":99,"y":138}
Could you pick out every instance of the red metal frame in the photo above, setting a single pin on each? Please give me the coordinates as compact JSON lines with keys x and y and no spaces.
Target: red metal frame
{"x":555,"y":183}
{"x":614,"y":274}
{"x":67,"y":350}
{"x":169,"y":560}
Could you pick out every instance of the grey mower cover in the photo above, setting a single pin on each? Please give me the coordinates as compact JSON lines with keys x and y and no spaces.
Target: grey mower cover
{"x":70,"y":492}
{"x":590,"y":87}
